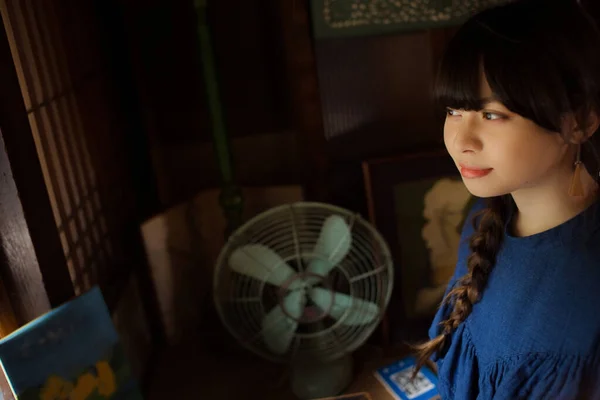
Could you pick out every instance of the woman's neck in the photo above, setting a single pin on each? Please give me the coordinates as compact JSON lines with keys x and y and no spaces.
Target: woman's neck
{"x":546,"y":206}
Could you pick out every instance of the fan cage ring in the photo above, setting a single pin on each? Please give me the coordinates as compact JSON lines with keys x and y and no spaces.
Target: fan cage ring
{"x":291,"y":231}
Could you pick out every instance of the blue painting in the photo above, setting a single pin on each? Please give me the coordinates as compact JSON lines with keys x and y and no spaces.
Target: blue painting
{"x":72,"y":352}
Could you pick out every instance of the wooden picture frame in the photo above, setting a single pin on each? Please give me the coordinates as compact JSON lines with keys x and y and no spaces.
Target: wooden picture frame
{"x":418,"y":203}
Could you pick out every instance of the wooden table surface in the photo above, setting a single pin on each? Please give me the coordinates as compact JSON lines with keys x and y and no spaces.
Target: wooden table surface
{"x":190,"y":371}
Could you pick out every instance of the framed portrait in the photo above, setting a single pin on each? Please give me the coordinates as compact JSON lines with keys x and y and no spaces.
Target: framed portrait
{"x":419,"y":204}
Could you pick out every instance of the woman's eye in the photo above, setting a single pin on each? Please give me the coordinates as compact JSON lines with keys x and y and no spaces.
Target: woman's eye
{"x":451,"y":112}
{"x":490,"y":116}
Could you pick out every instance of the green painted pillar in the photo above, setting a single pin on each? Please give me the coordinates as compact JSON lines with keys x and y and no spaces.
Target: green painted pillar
{"x":230,"y":199}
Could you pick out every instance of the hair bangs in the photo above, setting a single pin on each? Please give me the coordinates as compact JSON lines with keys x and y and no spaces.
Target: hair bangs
{"x":521,"y":51}
{"x":525,"y":71}
{"x":458,"y":83}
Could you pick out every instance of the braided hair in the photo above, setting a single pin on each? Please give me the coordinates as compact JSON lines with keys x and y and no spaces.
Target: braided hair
{"x":484,"y":245}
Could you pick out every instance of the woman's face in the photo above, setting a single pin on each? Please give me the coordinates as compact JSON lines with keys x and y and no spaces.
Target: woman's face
{"x":499,"y":152}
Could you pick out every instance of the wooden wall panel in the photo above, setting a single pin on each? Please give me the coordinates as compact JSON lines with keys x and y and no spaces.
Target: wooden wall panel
{"x":376,"y":94}
{"x":251,"y":53}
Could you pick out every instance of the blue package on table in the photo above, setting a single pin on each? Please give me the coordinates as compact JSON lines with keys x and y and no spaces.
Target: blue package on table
{"x":397,"y":378}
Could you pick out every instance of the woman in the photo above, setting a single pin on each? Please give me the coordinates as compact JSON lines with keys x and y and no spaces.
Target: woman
{"x":521,"y":316}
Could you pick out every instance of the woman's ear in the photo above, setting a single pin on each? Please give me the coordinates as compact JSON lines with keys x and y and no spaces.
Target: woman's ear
{"x":577,"y":134}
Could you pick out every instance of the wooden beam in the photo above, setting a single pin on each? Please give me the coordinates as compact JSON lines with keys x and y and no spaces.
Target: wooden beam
{"x":305,"y":104}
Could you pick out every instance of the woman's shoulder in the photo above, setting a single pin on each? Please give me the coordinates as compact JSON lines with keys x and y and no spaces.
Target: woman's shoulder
{"x":541,"y":303}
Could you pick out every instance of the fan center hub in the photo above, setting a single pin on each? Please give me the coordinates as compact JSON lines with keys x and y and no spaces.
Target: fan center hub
{"x":304,"y":283}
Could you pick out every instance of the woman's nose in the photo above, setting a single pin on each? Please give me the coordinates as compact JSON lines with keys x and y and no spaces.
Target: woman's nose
{"x":466,"y":138}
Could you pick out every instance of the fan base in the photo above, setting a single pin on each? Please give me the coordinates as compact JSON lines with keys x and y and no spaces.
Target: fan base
{"x":321,"y":379}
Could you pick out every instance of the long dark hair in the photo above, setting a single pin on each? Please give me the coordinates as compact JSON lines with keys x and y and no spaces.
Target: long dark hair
{"x":542,"y":61}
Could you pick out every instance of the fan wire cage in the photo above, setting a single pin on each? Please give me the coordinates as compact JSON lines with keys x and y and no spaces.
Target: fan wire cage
{"x":365,"y":274}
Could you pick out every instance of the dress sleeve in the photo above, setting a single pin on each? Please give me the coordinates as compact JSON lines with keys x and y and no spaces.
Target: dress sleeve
{"x":543,"y":376}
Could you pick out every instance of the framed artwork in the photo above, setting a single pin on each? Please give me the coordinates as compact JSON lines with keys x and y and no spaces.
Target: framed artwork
{"x":349,"y":18}
{"x":419,"y":204}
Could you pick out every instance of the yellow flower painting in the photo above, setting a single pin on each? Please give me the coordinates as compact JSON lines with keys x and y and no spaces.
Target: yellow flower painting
{"x":103,"y":383}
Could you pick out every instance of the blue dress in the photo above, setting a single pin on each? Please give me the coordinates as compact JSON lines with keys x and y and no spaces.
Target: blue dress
{"x":535,"y":333}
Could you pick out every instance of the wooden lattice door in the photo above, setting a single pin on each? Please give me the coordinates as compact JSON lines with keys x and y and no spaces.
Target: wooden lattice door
{"x":67,"y":171}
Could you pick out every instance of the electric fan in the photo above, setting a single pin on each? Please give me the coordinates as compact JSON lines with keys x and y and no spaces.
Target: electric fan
{"x":305,"y":283}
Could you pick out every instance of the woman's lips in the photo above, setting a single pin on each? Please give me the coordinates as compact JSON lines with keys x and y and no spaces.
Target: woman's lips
{"x":472,"y":172}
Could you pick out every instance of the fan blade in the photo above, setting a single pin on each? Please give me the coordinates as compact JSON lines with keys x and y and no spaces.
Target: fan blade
{"x":279,"y":328}
{"x":262,"y":263}
{"x":355,"y":310}
{"x":318,"y":267}
{"x":333,"y":243}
